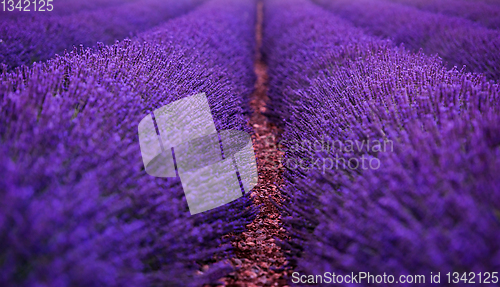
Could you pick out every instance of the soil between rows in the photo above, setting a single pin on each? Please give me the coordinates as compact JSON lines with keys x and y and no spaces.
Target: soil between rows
{"x":260,"y":261}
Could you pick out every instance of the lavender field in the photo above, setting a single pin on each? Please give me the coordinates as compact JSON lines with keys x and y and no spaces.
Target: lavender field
{"x":375,"y":126}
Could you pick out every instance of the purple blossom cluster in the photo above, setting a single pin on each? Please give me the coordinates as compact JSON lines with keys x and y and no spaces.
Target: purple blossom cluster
{"x":28,"y":39}
{"x":76,"y":205}
{"x":432,"y":205}
{"x":486,"y":14}
{"x":456,"y":40}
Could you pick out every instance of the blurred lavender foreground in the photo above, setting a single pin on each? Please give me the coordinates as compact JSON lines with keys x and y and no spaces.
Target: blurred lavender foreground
{"x":76,"y":206}
{"x":37,"y":36}
{"x":433,"y":203}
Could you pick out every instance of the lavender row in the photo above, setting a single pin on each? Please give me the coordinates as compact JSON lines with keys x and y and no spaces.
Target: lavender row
{"x":457,"y":41}
{"x":26,"y":40}
{"x":391,"y":159}
{"x":77,"y":207}
{"x":486,"y":14}
{"x":494,"y":2}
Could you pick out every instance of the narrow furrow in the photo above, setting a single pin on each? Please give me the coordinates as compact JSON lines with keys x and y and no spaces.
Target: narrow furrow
{"x":260,"y":261}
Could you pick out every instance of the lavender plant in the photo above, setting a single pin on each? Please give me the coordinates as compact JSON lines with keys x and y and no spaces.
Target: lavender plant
{"x":457,"y":41}
{"x":77,"y":207}
{"x":484,"y":13}
{"x":25,"y":40}
{"x":432,"y":203}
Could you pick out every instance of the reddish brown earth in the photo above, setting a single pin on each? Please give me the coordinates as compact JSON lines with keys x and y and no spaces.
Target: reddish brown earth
{"x":260,"y":261}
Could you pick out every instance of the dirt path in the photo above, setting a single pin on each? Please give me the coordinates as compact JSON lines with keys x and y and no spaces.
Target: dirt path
{"x":259,"y":259}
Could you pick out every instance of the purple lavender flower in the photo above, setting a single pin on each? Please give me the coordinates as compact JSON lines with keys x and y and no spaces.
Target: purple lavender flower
{"x":29,"y":39}
{"x":477,"y":11}
{"x":431,"y":205}
{"x":77,"y":207}
{"x":457,"y":41}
